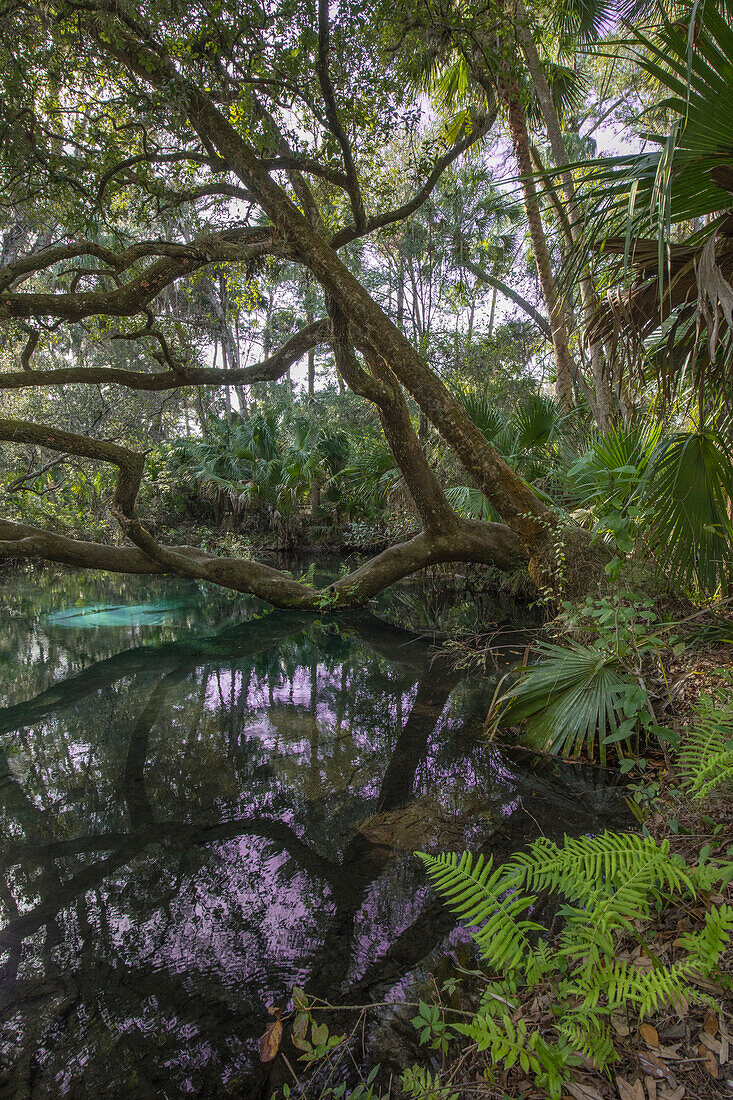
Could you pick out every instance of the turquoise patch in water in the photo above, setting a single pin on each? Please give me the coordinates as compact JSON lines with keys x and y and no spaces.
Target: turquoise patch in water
{"x":95,"y":615}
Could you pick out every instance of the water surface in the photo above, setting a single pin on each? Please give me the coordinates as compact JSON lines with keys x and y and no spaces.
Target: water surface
{"x":204,"y":802}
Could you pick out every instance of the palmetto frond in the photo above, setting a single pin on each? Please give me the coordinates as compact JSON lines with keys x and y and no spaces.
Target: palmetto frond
{"x":636,"y":200}
{"x":570,"y":701}
{"x":690,"y":482}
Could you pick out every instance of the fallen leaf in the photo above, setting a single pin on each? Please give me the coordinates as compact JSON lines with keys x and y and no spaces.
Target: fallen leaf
{"x":583,"y":1092}
{"x":652,"y":1065}
{"x":628,"y":1091}
{"x":620,"y":1026}
{"x":650,"y":1035}
{"x":711,"y":1022}
{"x":651,"y":1088}
{"x":712,"y":1044}
{"x":724,"y":1050}
{"x":671,"y":1094}
{"x":709,"y":1060}
{"x":673,"y":1030}
{"x":270,"y":1041}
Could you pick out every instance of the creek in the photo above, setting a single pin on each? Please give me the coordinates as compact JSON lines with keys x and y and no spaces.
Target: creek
{"x":204,"y":803}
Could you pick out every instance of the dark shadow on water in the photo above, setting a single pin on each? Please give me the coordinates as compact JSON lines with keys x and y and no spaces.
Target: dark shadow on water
{"x":195,"y":820}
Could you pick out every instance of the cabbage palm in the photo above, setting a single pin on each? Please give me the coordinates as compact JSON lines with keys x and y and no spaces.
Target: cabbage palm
{"x":666,"y":212}
{"x":267,"y":463}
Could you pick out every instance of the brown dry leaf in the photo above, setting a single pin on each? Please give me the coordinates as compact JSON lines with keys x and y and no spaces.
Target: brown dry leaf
{"x":620,"y":1026}
{"x":652,"y":1065}
{"x":709,"y":1060}
{"x":667,"y":1093}
{"x":270,"y":1041}
{"x":583,"y":1092}
{"x":675,"y":1029}
{"x":724,"y":1051}
{"x":627,"y":1091}
{"x":711,"y":1022}
{"x":712,"y":1044}
{"x":651,"y":1088}
{"x":650,"y":1035}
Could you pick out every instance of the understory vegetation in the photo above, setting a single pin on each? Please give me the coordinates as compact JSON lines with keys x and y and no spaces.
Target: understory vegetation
{"x":442,"y":288}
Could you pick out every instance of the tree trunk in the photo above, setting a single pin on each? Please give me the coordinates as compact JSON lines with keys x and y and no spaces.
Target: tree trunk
{"x":588,"y":296}
{"x":564,"y":364}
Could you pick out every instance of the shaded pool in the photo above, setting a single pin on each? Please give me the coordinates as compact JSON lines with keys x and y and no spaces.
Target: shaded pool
{"x":203,"y":803}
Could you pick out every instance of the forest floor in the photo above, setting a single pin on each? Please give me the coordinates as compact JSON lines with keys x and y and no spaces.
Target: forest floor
{"x":684,"y":1053}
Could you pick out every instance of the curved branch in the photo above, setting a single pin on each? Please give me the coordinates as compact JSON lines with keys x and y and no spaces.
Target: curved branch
{"x":129,"y":463}
{"x":176,"y":261}
{"x":382,"y":388}
{"x":481,"y":127}
{"x":485,"y":277}
{"x":487,"y":543}
{"x":269,"y":370}
{"x":332,"y":116}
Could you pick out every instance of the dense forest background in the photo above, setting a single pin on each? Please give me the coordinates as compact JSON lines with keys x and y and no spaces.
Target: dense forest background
{"x":345,"y":278}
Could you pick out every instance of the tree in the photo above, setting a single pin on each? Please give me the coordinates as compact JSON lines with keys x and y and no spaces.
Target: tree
{"x":112,"y":110}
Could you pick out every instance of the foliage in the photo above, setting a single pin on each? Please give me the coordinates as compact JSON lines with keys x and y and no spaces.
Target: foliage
{"x":265,"y":464}
{"x":610,"y":886}
{"x":658,"y":494}
{"x":664,"y":209}
{"x":706,"y":753}
{"x":591,"y":691}
{"x":573,"y":697}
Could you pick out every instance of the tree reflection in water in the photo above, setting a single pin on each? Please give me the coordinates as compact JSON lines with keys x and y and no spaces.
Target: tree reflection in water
{"x":191,"y":826}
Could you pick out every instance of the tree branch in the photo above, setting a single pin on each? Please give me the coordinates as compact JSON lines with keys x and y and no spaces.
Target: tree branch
{"x":485,"y":277}
{"x":234,"y":245}
{"x":129,"y":463}
{"x":488,"y":543}
{"x":350,"y":233}
{"x":269,"y":370}
{"x":334,"y":122}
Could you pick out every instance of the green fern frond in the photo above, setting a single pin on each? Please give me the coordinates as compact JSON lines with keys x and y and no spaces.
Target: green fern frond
{"x":609,"y":883}
{"x":510,"y":1043}
{"x":589,"y":1034}
{"x":706,"y":946}
{"x":482,"y":898}
{"x":585,"y":865}
{"x":706,"y":755}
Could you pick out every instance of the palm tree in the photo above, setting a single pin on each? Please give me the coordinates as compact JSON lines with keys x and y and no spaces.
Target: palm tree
{"x":666,"y":213}
{"x":266,"y":465}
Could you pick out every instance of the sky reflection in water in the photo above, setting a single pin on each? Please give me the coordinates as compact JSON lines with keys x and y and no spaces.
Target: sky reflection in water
{"x":203,"y":803}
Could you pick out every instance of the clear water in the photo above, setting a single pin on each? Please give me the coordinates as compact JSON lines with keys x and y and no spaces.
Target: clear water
{"x":203,"y":803}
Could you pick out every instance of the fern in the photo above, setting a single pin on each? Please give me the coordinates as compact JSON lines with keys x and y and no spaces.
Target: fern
{"x":705,"y":947}
{"x":706,"y":756}
{"x":586,"y":864}
{"x":482,"y":898}
{"x":512,"y":1044}
{"x":609,"y":883}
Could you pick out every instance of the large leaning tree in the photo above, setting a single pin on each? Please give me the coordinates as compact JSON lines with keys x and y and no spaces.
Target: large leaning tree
{"x":251,"y":133}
